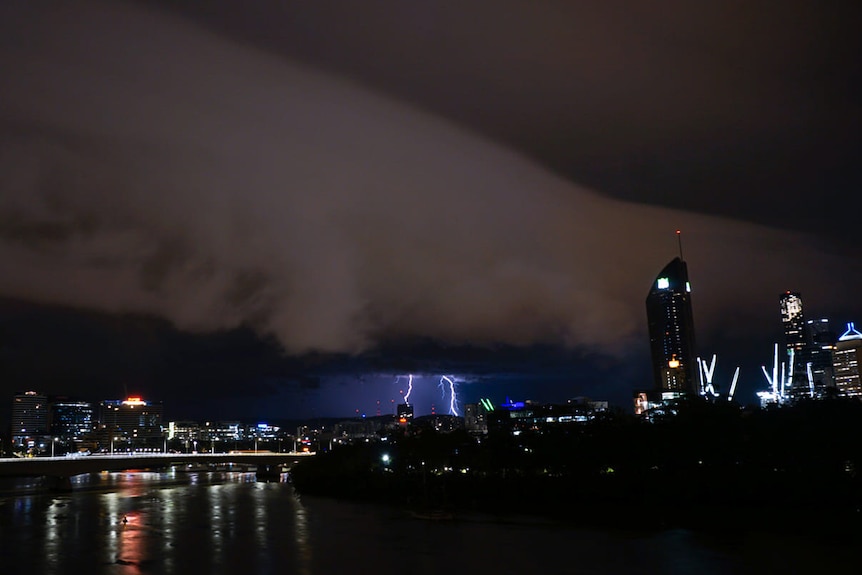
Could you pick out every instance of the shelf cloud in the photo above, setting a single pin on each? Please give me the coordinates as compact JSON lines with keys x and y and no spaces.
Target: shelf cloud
{"x":151,"y":166}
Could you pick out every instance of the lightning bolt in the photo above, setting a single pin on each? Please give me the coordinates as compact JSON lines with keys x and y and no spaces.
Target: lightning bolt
{"x":453,"y":401}
{"x":409,"y":388}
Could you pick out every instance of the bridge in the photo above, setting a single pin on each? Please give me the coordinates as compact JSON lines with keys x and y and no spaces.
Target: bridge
{"x":58,"y":470}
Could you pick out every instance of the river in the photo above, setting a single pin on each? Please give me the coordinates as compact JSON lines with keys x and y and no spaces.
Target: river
{"x":227,"y":523}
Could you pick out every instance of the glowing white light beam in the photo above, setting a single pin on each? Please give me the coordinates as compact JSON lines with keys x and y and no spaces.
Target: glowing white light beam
{"x":790,"y":365}
{"x":707,"y":371}
{"x":768,"y":378}
{"x":777,"y":383}
{"x":733,"y":385}
{"x":775,"y":371}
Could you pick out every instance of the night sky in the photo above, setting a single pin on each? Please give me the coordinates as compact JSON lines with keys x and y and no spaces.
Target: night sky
{"x":275,"y":208}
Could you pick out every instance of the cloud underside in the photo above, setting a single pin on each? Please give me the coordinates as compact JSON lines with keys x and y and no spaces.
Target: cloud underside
{"x":152,"y":167}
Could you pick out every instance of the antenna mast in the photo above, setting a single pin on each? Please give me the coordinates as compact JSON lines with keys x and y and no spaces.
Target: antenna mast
{"x":679,"y":241}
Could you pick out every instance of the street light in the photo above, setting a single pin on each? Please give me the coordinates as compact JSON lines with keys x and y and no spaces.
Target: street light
{"x":53,"y":441}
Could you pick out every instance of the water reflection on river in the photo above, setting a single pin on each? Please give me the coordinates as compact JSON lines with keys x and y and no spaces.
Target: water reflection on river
{"x":228,"y":523}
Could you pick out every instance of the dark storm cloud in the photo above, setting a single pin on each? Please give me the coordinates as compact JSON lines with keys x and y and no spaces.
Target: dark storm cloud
{"x":741,"y":109}
{"x":151,"y":167}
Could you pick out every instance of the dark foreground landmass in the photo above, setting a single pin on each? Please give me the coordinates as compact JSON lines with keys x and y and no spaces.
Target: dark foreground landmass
{"x":710,"y":466}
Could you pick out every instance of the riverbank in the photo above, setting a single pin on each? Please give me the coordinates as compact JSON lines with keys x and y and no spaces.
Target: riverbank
{"x":606,"y":503}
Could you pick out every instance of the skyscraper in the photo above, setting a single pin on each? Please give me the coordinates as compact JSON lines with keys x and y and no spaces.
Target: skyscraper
{"x":29,"y":418}
{"x":671,"y":330}
{"x":820,"y":343}
{"x":793,"y":324}
{"x":846,"y":361}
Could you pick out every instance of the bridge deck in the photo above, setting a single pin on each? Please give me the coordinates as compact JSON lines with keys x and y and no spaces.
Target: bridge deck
{"x":70,"y":466}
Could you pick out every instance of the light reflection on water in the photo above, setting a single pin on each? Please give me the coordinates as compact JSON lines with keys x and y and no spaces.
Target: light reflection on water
{"x":225,"y":523}
{"x":303,"y":547}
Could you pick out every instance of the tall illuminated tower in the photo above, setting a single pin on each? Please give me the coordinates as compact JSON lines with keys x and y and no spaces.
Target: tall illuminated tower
{"x":793,"y":324}
{"x":847,"y":359}
{"x":671,"y":330}
{"x":820,"y":341}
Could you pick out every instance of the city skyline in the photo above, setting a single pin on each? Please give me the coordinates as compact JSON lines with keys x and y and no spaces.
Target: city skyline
{"x":236,"y":212}
{"x":381,"y":392}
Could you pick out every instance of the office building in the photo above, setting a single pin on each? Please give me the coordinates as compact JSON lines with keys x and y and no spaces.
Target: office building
{"x":29,"y":418}
{"x":131,"y":419}
{"x":71,"y":420}
{"x":476,"y":416}
{"x":795,"y":345}
{"x":671,"y":331}
{"x":405,"y":413}
{"x":820,"y":345}
{"x":846,"y":361}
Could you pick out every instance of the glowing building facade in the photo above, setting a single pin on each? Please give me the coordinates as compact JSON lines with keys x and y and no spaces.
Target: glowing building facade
{"x":796,"y":348}
{"x":846,"y":362}
{"x":131,"y":419}
{"x":476,"y":416}
{"x":671,"y":331}
{"x":405,"y":413}
{"x":820,"y":342}
{"x":71,"y":419}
